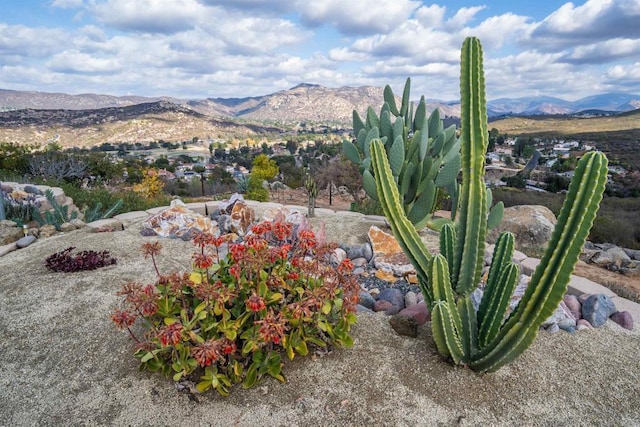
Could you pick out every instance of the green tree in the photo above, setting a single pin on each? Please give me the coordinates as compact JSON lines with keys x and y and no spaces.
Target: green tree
{"x":264,"y":168}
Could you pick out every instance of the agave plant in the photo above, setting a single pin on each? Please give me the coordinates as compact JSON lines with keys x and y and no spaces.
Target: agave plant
{"x":489,"y":338}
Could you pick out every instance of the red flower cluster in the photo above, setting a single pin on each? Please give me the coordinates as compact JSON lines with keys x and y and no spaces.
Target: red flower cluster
{"x":255,"y":303}
{"x":123,"y":318}
{"x":272,"y":327}
{"x":207,"y":352}
{"x":171,"y":335}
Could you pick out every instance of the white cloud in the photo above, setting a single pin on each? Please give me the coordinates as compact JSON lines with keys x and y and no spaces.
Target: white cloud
{"x":595,"y":20}
{"x":606,"y":51}
{"x":357,"y":16}
{"x":72,"y":61}
{"x":463,"y":16}
{"x":148,"y":16}
{"x":30,"y":42}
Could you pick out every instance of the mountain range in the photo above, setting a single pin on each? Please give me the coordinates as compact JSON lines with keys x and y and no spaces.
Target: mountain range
{"x":313,"y":103}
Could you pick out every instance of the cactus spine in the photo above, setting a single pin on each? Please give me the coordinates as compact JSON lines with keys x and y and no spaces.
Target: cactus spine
{"x":487,"y":339}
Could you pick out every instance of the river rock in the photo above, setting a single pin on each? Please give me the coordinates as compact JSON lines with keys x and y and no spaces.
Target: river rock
{"x":394,"y":296}
{"x":338,"y":255}
{"x":624,"y":319}
{"x":32,"y":190}
{"x":25,"y":241}
{"x":365,"y":299}
{"x":597,"y":309}
{"x":47,"y":230}
{"x":410,"y":298}
{"x":407,"y":320}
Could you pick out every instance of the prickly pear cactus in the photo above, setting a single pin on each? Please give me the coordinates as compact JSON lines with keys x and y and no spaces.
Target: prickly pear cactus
{"x":424,"y":157}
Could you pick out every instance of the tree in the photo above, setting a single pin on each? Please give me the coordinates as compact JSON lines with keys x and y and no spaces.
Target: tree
{"x":292,"y":147}
{"x":264,"y":168}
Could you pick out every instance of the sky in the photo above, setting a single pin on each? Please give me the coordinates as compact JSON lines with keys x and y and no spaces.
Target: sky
{"x":195,"y":49}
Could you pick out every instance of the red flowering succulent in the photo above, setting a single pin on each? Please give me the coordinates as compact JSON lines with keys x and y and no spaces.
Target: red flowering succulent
{"x":230,"y":320}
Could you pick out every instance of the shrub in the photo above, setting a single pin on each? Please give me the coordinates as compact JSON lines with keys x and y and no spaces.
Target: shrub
{"x":230,"y":319}
{"x":85,"y":260}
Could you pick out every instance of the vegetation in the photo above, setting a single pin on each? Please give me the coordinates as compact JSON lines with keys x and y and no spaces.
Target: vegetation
{"x":56,"y":216}
{"x":424,"y":156}
{"x":232,"y":318}
{"x":489,"y":338}
{"x":63,"y":261}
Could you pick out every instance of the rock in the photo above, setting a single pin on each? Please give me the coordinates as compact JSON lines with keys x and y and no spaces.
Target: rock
{"x":614,"y":256}
{"x":553,"y":328}
{"x":65,"y":227}
{"x":574,"y":306}
{"x":410,"y":298}
{"x":47,"y":230}
{"x":8,"y":223}
{"x":224,"y":223}
{"x":32,"y":190}
{"x":583,"y":324}
{"x":355,"y":251}
{"x":78,"y":223}
{"x":633,"y":253}
{"x":363,"y":309}
{"x":374,"y":292}
{"x":419,"y":312}
{"x":562,"y":314}
{"x":177,"y":220}
{"x":387,"y":254}
{"x":597,"y":309}
{"x":5,"y":249}
{"x":365,"y":299}
{"x":367,"y":251}
{"x":242,"y":217}
{"x":394,"y":296}
{"x":532,"y":226}
{"x":404,"y":325}
{"x":359,"y":262}
{"x":10,"y":234}
{"x":338,"y":255}
{"x":382,"y":305}
{"x":385,"y":275}
{"x":25,"y":241}
{"x":624,"y":319}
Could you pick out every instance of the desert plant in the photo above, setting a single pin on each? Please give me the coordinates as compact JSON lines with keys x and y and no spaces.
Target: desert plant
{"x":57,"y":215}
{"x":230,"y":319}
{"x":97,"y":213}
{"x":424,"y":156}
{"x":312,"y":192}
{"x":19,"y":210}
{"x":86,"y":260}
{"x":489,"y":338}
{"x":151,"y":185}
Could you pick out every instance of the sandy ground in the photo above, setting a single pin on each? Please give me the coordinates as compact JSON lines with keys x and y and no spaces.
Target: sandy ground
{"x":64,"y":363}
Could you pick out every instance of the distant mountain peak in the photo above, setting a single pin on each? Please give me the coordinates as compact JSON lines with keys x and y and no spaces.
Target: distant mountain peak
{"x":305,"y":86}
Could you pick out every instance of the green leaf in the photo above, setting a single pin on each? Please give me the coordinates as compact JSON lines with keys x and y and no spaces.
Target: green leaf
{"x":302,"y":349}
{"x":448,"y":173}
{"x":147,"y":357}
{"x":203,"y":386}
{"x":396,"y":156}
{"x":251,"y":377}
{"x":369,"y":184}
{"x":326,"y":307}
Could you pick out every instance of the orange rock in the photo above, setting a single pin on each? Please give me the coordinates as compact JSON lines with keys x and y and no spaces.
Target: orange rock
{"x":386,"y":276}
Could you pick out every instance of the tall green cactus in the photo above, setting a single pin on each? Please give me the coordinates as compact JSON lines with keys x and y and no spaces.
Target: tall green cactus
{"x":312,"y":193}
{"x":488,"y":339}
{"x":424,"y":157}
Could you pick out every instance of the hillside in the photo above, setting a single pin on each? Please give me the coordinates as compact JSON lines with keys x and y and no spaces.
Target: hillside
{"x":136,"y":123}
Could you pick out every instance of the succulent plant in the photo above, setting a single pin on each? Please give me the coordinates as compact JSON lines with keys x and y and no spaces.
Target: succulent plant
{"x":312,"y":193}
{"x":489,"y":338}
{"x":424,"y":156}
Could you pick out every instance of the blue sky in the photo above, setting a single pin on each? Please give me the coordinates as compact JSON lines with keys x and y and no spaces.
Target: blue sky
{"x":236,"y":48}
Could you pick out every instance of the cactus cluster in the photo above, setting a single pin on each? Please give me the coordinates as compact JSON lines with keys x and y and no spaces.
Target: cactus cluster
{"x":424,"y":156}
{"x":488,"y":338}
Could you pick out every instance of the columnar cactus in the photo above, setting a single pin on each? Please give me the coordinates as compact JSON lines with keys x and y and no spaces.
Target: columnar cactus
{"x":312,"y":193}
{"x":424,"y":156}
{"x":488,"y":339}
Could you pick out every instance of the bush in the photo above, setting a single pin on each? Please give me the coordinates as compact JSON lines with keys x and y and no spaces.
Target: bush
{"x":230,"y":319}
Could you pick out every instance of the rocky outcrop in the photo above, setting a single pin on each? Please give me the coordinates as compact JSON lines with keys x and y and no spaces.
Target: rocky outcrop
{"x":612,"y":257}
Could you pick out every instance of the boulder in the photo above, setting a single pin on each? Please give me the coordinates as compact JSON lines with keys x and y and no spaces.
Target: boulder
{"x":10,"y":234}
{"x":531,"y":225}
{"x":624,"y":319}
{"x":597,"y":309}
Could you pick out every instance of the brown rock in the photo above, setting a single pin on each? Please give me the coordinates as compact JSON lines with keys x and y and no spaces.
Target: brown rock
{"x":382,"y":305}
{"x":386,"y":276}
{"x":10,"y":235}
{"x":419,"y":312}
{"x":387,"y":254}
{"x":242,"y":217}
{"x":47,"y":230}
